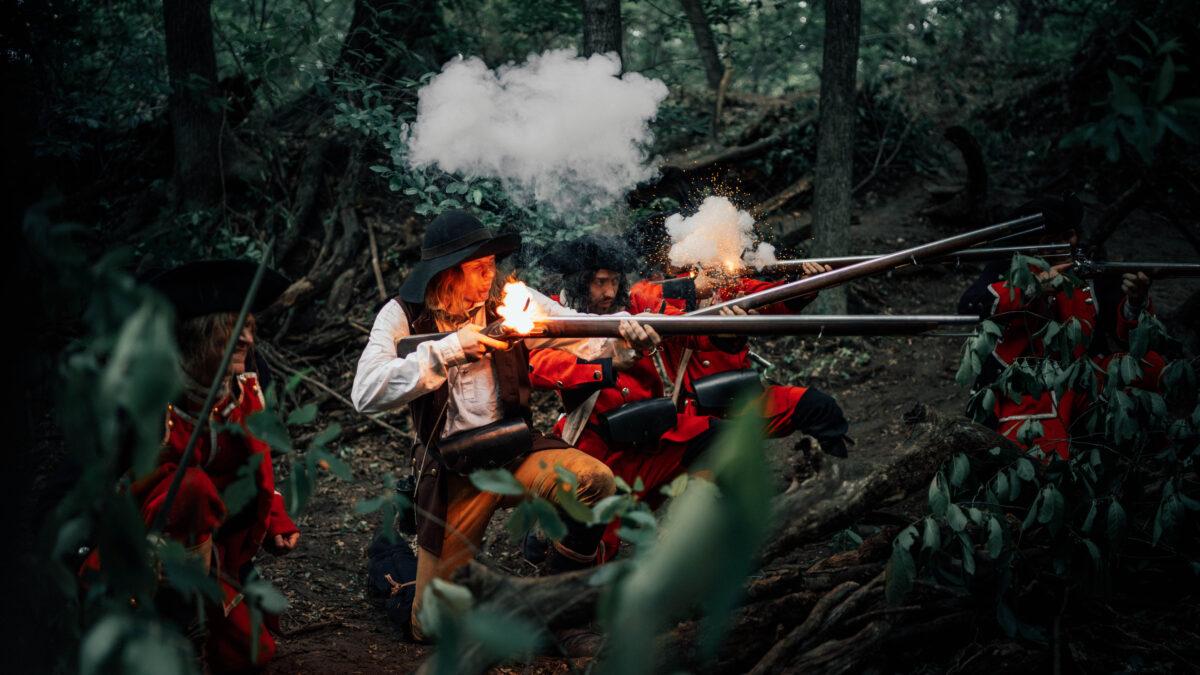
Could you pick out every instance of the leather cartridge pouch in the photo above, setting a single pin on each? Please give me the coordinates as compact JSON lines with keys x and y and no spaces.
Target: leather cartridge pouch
{"x":721,"y":390}
{"x":487,"y":447}
{"x":640,"y":423}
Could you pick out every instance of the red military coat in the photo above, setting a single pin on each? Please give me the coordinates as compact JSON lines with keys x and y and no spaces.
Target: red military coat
{"x":1023,"y":323}
{"x":576,"y":380}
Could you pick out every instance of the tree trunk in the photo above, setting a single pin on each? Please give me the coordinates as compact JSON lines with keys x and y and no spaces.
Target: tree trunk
{"x":195,"y":111}
{"x":602,"y":29}
{"x":835,"y":141}
{"x":394,"y":38}
{"x":713,"y":69}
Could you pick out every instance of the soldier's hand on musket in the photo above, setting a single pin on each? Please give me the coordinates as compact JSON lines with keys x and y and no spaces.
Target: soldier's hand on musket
{"x":1047,"y":278}
{"x":636,"y":338}
{"x":639,"y":336}
{"x":734,"y":311}
{"x":475,"y":344}
{"x":808,"y":269}
{"x":1136,"y":288}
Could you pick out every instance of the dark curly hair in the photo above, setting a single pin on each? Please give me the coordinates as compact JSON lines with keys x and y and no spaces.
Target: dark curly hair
{"x":577,"y":260}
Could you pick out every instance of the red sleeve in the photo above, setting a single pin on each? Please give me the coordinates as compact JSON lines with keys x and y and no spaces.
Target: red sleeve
{"x":561,"y":371}
{"x":645,"y":297}
{"x":747,"y":285}
{"x":279,"y":522}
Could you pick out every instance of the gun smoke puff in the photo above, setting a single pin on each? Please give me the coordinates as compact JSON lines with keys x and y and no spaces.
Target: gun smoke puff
{"x":568,"y":132}
{"x":717,"y":235}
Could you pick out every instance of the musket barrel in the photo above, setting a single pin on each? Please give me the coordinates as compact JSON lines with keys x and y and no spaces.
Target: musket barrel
{"x":1154,"y":270}
{"x":831,"y":325}
{"x":1026,"y":225}
{"x":607,"y":326}
{"x":1053,"y":251}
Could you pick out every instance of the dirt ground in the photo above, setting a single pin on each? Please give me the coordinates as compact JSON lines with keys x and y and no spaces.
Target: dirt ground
{"x":333,"y":627}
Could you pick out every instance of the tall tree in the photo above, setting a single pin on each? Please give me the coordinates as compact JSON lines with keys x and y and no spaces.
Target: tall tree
{"x":714,"y":70}
{"x":835,"y":140}
{"x":195,"y":107}
{"x":394,"y":38}
{"x":602,"y":31}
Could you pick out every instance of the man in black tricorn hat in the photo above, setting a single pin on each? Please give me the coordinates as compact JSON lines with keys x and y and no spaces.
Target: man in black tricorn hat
{"x":469,"y":397}
{"x":207,"y":297}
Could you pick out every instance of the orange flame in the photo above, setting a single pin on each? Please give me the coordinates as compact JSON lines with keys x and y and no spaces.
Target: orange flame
{"x":518,"y":308}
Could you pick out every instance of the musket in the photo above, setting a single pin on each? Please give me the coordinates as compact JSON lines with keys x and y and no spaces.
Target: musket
{"x":608,"y":326}
{"x":976,"y":254}
{"x":1087,"y":268}
{"x":1026,"y":225}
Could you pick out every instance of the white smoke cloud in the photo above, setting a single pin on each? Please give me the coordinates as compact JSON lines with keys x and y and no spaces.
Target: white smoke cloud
{"x":718,"y":235}
{"x":566,"y":131}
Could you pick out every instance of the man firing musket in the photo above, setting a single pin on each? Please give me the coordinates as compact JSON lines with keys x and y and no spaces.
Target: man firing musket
{"x":1106,"y":309}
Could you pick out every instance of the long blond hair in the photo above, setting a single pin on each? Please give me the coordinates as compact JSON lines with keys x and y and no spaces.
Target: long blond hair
{"x":444,"y":298}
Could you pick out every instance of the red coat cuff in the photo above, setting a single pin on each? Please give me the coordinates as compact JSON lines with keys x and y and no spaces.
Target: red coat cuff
{"x":280,"y":522}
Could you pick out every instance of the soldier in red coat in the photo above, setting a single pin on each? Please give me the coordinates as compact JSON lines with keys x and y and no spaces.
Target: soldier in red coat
{"x":712,"y":377}
{"x":617,"y":409}
{"x":207,"y":296}
{"x":1105,"y":313}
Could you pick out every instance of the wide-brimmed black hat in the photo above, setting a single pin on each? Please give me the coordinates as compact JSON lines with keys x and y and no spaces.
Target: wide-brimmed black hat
{"x":589,"y":253}
{"x":212,"y":286}
{"x":453,"y":237}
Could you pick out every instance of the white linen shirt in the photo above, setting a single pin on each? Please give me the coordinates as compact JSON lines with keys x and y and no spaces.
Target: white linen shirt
{"x":384,"y":381}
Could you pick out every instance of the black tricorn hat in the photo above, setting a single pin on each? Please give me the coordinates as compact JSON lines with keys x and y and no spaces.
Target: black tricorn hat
{"x":589,"y":253}
{"x":211,"y":286}
{"x":453,"y":237}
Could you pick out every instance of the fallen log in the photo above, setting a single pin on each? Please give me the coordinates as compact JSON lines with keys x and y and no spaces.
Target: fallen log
{"x":825,"y":503}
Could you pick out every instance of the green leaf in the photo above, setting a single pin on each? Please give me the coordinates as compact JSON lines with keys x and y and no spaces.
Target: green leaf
{"x":244,"y":487}
{"x":186,"y":573}
{"x":297,"y":489}
{"x":1025,"y":469}
{"x":575,"y":509}
{"x":931,"y":539}
{"x":1053,"y":508}
{"x":303,"y":415}
{"x":498,"y":481}
{"x":326,"y":436}
{"x":995,"y":543}
{"x":622,"y":486}
{"x":1094,"y":552}
{"x":365,"y":506}
{"x":547,"y":518}
{"x":1165,"y":81}
{"x":1090,"y":519}
{"x":379,"y":168}
{"x":263,"y":594}
{"x":265,"y":426}
{"x":610,"y":507}
{"x":1032,"y":515}
{"x":939,"y":498}
{"x":676,"y":486}
{"x":521,"y":521}
{"x":960,"y":468}
{"x":502,"y":635}
{"x":332,"y":463}
{"x":968,"y":556}
{"x":900,"y":575}
{"x":566,"y":476}
{"x":956,"y":518}
{"x":1002,"y":486}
